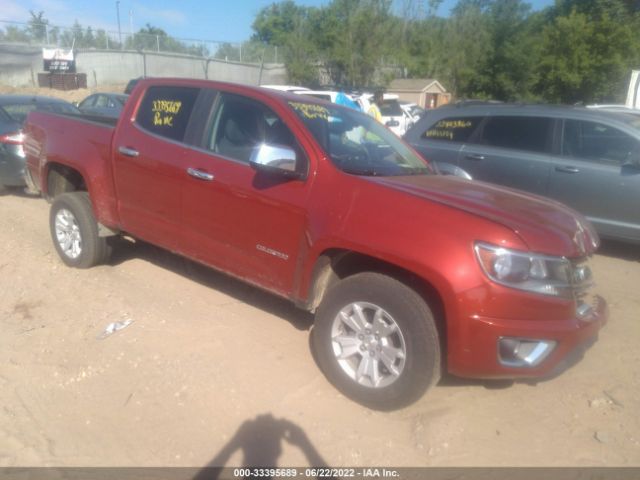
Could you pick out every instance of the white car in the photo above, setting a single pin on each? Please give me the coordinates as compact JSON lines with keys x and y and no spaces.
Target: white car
{"x":413,"y":111}
{"x":392,"y":114}
{"x":286,"y":88}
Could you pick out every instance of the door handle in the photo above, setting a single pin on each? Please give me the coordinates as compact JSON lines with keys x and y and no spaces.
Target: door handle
{"x":129,"y":152}
{"x":474,"y":156}
{"x":199,"y":174}
{"x":567,"y":169}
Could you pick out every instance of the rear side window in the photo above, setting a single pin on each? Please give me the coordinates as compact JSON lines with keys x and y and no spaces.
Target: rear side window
{"x":597,"y":142}
{"x":165,"y":111}
{"x":531,"y":134}
{"x":452,"y":129}
{"x":88,"y":102}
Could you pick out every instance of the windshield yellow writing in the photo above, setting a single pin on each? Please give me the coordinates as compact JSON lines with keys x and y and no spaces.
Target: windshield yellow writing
{"x":311,"y":111}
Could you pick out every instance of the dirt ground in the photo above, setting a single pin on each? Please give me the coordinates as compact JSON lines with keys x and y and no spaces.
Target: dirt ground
{"x":211,"y":370}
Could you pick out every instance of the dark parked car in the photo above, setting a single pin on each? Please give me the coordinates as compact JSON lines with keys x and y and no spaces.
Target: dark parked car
{"x":103,"y":104}
{"x":132,"y":84}
{"x":13,"y":112}
{"x":588,"y":159}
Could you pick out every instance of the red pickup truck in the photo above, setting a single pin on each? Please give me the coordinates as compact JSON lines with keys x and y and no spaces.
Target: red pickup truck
{"x":409,"y":273}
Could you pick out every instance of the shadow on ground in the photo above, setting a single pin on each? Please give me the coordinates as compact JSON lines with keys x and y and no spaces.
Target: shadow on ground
{"x":18,"y":192}
{"x":260,"y":440}
{"x":125,"y":250}
{"x":621,"y":250}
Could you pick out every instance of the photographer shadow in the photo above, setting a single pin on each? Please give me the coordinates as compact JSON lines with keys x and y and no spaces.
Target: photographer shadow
{"x":260,"y":441}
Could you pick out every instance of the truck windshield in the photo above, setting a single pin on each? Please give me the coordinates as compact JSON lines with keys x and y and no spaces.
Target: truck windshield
{"x":356,"y":143}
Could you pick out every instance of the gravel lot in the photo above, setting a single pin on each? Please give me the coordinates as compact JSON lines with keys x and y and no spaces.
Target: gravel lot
{"x":211,"y":370}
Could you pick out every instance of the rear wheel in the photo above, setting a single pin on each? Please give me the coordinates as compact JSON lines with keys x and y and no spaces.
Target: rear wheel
{"x":376,"y":341}
{"x":74,"y":231}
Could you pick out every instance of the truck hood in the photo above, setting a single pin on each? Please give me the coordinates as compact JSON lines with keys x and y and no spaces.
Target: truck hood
{"x":546,"y":226}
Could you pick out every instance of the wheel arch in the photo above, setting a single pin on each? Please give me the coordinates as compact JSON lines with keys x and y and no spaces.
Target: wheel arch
{"x":336,"y":264}
{"x":60,"y":178}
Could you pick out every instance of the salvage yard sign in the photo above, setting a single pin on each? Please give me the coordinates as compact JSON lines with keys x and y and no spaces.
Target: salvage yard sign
{"x":58,"y":60}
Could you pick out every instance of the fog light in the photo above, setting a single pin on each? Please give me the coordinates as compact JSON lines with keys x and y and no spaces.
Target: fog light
{"x":519,"y":352}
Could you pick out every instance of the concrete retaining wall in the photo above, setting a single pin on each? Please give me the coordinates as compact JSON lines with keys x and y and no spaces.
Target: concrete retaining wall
{"x":19,"y":66}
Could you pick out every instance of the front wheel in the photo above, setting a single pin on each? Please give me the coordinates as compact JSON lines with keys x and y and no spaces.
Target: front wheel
{"x":376,"y":340}
{"x":74,"y":231}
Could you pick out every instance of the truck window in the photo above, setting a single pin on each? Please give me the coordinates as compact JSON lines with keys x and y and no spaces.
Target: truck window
{"x":240,"y":124}
{"x":165,"y":111}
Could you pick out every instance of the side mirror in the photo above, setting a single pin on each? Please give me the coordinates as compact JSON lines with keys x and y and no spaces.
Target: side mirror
{"x":275,"y":159}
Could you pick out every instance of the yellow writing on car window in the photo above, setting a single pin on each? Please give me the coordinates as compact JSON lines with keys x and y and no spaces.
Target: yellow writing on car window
{"x":453,"y":124}
{"x":439,"y":134}
{"x":164,"y":111}
{"x":310,"y":110}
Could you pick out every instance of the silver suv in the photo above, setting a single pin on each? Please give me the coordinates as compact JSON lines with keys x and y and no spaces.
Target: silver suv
{"x":588,"y":159}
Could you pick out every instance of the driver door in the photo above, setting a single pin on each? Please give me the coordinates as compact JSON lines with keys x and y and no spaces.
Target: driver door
{"x":248,"y":223}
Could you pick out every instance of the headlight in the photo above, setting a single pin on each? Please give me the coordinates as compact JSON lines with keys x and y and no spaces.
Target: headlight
{"x":526,"y":271}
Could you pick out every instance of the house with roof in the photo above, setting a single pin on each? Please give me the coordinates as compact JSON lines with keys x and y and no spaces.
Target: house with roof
{"x":426,"y":92}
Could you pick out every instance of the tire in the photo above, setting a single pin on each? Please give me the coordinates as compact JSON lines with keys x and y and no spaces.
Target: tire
{"x":366,"y":363}
{"x":74,"y":231}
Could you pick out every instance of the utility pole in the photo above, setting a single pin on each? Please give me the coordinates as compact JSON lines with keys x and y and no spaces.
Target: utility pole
{"x":119,"y":30}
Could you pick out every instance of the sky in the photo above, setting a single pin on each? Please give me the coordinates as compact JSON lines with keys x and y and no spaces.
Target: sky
{"x":210,"y":20}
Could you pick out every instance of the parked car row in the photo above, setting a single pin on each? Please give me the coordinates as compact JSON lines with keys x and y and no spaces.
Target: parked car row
{"x":13,"y":113}
{"x":586,"y":158}
{"x":103,"y":104}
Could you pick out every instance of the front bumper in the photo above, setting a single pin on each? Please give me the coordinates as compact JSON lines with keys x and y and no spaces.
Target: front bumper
{"x":476,"y":354}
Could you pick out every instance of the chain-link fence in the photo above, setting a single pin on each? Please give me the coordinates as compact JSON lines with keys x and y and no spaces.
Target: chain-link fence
{"x":155,"y":40}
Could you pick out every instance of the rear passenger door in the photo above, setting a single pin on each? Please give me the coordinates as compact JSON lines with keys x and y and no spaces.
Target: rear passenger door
{"x":511,"y":150}
{"x":592,"y":176}
{"x":150,"y":165}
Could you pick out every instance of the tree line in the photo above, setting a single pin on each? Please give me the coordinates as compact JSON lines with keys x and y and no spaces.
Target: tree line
{"x":39,"y":30}
{"x":574,"y":51}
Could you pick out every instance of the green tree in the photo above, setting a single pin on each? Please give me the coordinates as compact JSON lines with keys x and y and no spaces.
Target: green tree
{"x":37,"y":26}
{"x":15,"y":34}
{"x":291,"y":28}
{"x":509,"y":71}
{"x":586,"y":57}
{"x":274,"y":24}
{"x":468,"y":38}
{"x":156,"y":39}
